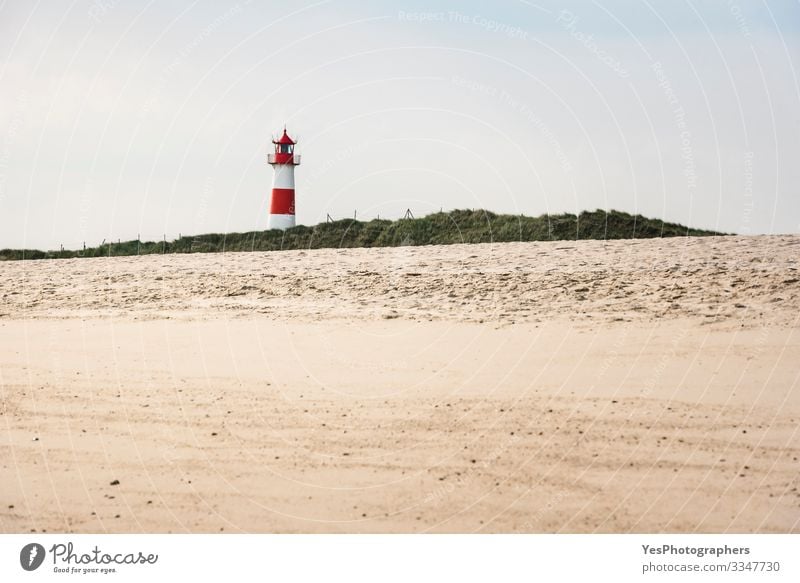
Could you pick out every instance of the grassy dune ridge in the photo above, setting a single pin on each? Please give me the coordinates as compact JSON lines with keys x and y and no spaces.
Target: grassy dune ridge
{"x":443,"y":228}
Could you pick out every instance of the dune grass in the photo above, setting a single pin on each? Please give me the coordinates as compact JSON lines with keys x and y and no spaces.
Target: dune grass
{"x":444,"y":228}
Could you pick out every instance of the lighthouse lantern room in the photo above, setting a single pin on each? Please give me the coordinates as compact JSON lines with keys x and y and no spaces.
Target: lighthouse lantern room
{"x":283,"y":160}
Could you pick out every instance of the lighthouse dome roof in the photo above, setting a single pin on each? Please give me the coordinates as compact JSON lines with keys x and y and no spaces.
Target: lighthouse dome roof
{"x":284,"y":139}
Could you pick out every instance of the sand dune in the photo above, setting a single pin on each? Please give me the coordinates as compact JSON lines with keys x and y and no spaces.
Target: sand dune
{"x":522,"y":387}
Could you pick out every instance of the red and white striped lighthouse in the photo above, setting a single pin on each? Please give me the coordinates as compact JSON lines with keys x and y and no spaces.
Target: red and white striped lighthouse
{"x":283,"y":160}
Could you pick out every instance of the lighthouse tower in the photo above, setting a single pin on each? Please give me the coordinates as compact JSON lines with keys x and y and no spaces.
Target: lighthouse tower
{"x":283,"y":160}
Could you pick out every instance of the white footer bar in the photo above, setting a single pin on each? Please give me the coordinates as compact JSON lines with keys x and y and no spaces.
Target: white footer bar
{"x":406,"y":558}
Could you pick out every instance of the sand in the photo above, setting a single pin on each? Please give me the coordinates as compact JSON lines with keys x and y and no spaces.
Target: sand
{"x":627,"y":386}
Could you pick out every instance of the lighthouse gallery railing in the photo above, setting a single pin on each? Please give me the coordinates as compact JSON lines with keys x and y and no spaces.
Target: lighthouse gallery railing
{"x":271,"y":158}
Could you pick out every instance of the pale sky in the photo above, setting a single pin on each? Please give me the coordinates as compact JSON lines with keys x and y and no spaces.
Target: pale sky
{"x":124,"y":118}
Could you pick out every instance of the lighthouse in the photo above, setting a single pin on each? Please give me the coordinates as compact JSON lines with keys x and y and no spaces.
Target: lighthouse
{"x":283,"y":160}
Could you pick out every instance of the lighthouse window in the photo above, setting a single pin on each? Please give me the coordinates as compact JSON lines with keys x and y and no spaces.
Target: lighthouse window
{"x":285,"y":149}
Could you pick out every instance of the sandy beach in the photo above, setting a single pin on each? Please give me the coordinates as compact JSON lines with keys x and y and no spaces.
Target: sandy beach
{"x":622,"y":386}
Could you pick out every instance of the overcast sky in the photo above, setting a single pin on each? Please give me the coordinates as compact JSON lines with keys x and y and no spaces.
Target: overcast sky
{"x":124,"y":118}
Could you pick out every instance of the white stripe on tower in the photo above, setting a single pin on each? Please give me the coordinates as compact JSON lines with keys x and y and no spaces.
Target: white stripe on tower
{"x":284,"y":176}
{"x":281,"y":222}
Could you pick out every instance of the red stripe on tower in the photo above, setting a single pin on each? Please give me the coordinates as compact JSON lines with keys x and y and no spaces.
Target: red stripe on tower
{"x":283,"y":160}
{"x":282,"y":201}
